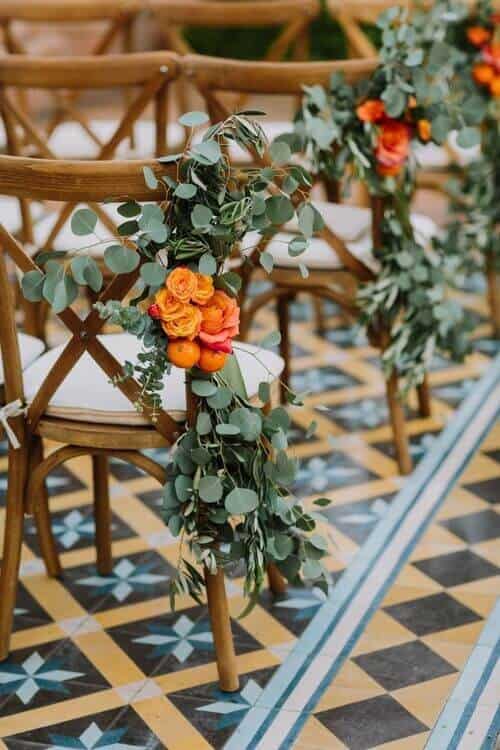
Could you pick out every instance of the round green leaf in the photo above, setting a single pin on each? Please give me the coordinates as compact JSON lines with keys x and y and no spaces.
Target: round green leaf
{"x":206,"y":152}
{"x":248,"y":422}
{"x":203,"y":423}
{"x":121,"y":259}
{"x":207,"y":265}
{"x":201,"y":216}
{"x":150,"y":178}
{"x":203,"y":388}
{"x":193,"y":119}
{"x":280,"y":152}
{"x":227,"y":430}
{"x":210,"y":489}
{"x":153,"y":274}
{"x":221,"y":399}
{"x":185,"y":190}
{"x":183,"y":487}
{"x":241,"y":501}
{"x":279,"y":209}
{"x":83,"y":222}
{"x":32,"y":285}
{"x":86,"y":272}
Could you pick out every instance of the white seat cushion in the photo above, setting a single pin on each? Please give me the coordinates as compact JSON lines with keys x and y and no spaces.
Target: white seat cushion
{"x":432,"y":156}
{"x":87,"y":395}
{"x":30,"y":348}
{"x":350,"y":223}
{"x":70,"y":141}
{"x":10,"y":213}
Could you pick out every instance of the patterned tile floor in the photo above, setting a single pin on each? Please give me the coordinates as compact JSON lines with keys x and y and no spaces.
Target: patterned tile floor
{"x":102,"y":662}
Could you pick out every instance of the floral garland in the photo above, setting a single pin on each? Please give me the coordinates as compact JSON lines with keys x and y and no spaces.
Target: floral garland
{"x":228,"y":495}
{"x":472,"y":238}
{"x":368,"y":131}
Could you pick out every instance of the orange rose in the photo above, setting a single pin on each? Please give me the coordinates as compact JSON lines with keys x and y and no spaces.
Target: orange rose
{"x":495,"y":86}
{"x":393,"y":147}
{"x":483,"y":74}
{"x":204,"y":289}
{"x":220,"y":322}
{"x":181,"y":282}
{"x":478,"y":35}
{"x":424,"y":130}
{"x":169,"y":306}
{"x":186,"y":325}
{"x":372,"y":110}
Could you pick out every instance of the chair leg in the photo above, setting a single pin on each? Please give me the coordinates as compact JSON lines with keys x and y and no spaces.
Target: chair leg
{"x":424,"y":398}
{"x":221,"y":630}
{"x":42,"y":518}
{"x":283,"y":305}
{"x":13,"y":537}
{"x":319,"y":316}
{"x":102,"y":514}
{"x":277,"y":583}
{"x":397,"y":416}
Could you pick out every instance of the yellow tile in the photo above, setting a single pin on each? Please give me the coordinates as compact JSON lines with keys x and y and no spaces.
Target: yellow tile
{"x":480,"y":596}
{"x":315,"y":736}
{"x":460,"y":502}
{"x":454,"y":653}
{"x":490,"y":550}
{"x":35,"y":636}
{"x":417,"y":742}
{"x":426,"y":700}
{"x":437,"y":541}
{"x":56,"y":599}
{"x":381,"y":632}
{"x":109,"y":658}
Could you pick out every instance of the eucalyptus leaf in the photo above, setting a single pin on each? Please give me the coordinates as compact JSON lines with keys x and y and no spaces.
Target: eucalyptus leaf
{"x":83,"y":222}
{"x":193,"y":119}
{"x":120,"y":259}
{"x":241,"y":501}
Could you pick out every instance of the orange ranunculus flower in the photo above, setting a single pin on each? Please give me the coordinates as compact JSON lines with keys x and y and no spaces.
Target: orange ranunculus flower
{"x":181,"y":282}
{"x":184,"y":326}
{"x":393,"y":147}
{"x":424,"y":130}
{"x":220,"y":322}
{"x":483,"y":74}
{"x":491,"y":55}
{"x":478,"y":35}
{"x":204,"y":289}
{"x":169,"y":306}
{"x":372,"y":110}
{"x":495,"y":86}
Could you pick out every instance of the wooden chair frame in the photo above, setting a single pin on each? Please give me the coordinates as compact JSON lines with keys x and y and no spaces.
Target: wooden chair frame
{"x":294,"y":16}
{"x":117,"y":16}
{"x":214,"y":75}
{"x":146,"y":76}
{"x":73,"y":182}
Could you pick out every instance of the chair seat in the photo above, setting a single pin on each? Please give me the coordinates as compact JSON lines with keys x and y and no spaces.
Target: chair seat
{"x":30,"y":349}
{"x":350,"y":223}
{"x":432,"y":156}
{"x":86,"y":395}
{"x":71,"y":141}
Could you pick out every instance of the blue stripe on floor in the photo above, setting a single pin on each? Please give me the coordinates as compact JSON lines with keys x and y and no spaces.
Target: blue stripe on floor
{"x":292,"y":687}
{"x":465,"y":699}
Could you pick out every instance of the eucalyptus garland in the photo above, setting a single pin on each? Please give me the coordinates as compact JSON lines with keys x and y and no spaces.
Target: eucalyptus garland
{"x":473,"y":237}
{"x":368,"y":131}
{"x":228,"y":495}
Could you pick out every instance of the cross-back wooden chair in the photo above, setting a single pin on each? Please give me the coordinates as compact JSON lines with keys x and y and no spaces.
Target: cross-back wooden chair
{"x":70,"y":399}
{"x":339,"y":257}
{"x":292,"y":18}
{"x":145,"y":75}
{"x":114,"y":19}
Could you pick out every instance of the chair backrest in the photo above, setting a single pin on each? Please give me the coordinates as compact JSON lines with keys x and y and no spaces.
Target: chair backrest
{"x":146,"y":76}
{"x":116,"y":17}
{"x":294,"y":16}
{"x":66,"y":181}
{"x":215,"y":77}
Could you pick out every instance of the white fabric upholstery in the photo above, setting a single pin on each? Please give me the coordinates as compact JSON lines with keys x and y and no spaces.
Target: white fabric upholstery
{"x":87,"y":395}
{"x":350,"y":223}
{"x":70,"y":141}
{"x":30,"y":348}
{"x":432,"y":156}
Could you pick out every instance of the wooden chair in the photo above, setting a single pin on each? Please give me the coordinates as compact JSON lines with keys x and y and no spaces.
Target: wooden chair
{"x":339,"y":256}
{"x":292,"y":18}
{"x":145,"y":75}
{"x":99,"y":419}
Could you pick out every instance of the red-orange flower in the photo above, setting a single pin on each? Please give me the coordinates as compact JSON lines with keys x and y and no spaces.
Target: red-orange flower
{"x":372,"y":110}
{"x":495,"y":86}
{"x":220,"y":322}
{"x":491,"y":55}
{"x":393,"y":147}
{"x":483,"y":74}
{"x":424,"y":130}
{"x":478,"y":35}
{"x":181,"y":282}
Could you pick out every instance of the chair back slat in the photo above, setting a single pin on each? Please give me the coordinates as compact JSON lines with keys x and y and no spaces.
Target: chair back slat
{"x":87,"y":182}
{"x":233,"y":13}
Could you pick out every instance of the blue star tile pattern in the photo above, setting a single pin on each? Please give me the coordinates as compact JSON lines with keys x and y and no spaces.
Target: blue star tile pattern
{"x":28,"y":613}
{"x":359,"y":415}
{"x":295,"y":608}
{"x":230,"y":709}
{"x":454,"y":393}
{"x":134,"y":578}
{"x":320,"y":379}
{"x":175,"y":641}
{"x":322,"y":473}
{"x":346,"y":337}
{"x":357,"y":519}
{"x":60,"y":481}
{"x":419,"y":445}
{"x":92,"y":738}
{"x":35,"y":677}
